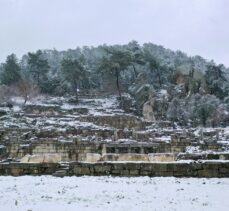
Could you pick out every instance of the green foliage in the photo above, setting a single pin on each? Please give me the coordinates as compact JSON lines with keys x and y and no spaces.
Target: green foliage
{"x":217,"y":82}
{"x":114,"y":63}
{"x":176,"y":111}
{"x":137,"y":56}
{"x":137,"y":69}
{"x":50,"y":86}
{"x":73,"y":73}
{"x":11,"y":71}
{"x":205,"y":110}
{"x":158,"y":71}
{"x":38,"y":66}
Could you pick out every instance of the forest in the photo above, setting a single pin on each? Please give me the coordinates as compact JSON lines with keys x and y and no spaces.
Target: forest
{"x":148,"y":78}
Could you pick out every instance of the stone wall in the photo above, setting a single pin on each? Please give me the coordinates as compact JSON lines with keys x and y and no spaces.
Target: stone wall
{"x":69,"y":151}
{"x":117,"y":121}
{"x":76,"y":150}
{"x":3,"y":151}
{"x":18,"y":169}
{"x":73,"y":144}
{"x":205,"y":169}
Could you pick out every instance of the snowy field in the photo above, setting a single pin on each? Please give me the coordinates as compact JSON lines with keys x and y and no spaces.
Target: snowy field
{"x":112,"y":193}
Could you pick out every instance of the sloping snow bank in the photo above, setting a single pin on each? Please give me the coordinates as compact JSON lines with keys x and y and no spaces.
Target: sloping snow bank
{"x":112,"y":193}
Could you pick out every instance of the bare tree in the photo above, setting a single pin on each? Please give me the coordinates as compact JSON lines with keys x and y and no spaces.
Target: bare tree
{"x":27,"y":89}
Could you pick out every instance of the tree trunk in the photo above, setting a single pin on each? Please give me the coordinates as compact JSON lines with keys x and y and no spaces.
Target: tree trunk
{"x":135,"y":72}
{"x":25,"y":99}
{"x":38,"y":79}
{"x":118,"y":87}
{"x":159,"y":78}
{"x":76,"y":92}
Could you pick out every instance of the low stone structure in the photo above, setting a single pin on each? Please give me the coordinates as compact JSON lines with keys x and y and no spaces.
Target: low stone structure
{"x":19,"y":169}
{"x":97,"y":134}
{"x":41,"y":158}
{"x":195,"y":169}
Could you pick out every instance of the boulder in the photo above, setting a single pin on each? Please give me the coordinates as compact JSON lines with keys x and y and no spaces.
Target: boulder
{"x":141,"y":94}
{"x":147,"y":111}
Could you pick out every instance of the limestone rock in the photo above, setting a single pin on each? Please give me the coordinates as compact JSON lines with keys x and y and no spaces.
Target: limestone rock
{"x":162,"y":157}
{"x":147,"y":111}
{"x":41,"y":158}
{"x":93,"y":157}
{"x":125,"y":157}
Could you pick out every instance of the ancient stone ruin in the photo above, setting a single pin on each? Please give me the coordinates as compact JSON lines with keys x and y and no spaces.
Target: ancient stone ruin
{"x":96,"y":137}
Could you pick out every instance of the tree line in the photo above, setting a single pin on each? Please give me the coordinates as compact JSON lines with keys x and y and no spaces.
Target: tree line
{"x":119,"y":67}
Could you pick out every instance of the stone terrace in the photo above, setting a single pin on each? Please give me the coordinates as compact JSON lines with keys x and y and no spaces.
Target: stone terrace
{"x":96,"y":131}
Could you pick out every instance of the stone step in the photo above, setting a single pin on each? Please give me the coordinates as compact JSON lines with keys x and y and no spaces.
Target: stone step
{"x":64,"y":168}
{"x":64,"y":165}
{"x":60,"y":173}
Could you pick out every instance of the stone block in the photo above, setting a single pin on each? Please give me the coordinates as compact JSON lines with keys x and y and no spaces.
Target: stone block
{"x":162,"y":157}
{"x":146,"y":167}
{"x":208,"y":173}
{"x":116,"y":171}
{"x":92,"y":157}
{"x":223,"y":170}
{"x":16,"y":171}
{"x":134,"y":172}
{"x":82,"y":171}
{"x":41,"y":158}
{"x":125,"y":172}
{"x":159,"y":167}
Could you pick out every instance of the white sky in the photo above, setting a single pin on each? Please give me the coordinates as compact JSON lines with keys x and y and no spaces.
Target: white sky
{"x":193,"y":26}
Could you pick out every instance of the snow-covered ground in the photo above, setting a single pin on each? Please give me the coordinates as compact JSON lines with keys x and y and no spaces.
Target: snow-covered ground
{"x":112,"y":193}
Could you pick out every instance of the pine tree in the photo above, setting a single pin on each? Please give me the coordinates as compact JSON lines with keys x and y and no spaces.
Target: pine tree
{"x":38,"y":66}
{"x":116,"y":62}
{"x":216,"y":80}
{"x":73,"y":73}
{"x":11,"y":71}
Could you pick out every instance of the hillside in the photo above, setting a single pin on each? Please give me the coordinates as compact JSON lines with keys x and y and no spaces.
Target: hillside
{"x":150,"y":81}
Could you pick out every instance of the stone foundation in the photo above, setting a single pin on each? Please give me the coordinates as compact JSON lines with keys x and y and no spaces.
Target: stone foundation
{"x":205,"y":169}
{"x":19,"y":169}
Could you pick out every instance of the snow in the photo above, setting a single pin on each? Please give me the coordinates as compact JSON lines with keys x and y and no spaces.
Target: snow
{"x":67,"y":106}
{"x":163,"y":92}
{"x":113,"y":193}
{"x":18,"y":100}
{"x":166,"y":139}
{"x":226,"y":131}
{"x":16,"y":108}
{"x":97,"y":106}
{"x":24,"y":145}
{"x":59,"y":123}
{"x":197,"y":132}
{"x":192,"y":149}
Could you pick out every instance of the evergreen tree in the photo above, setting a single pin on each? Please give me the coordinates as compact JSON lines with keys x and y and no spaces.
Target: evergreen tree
{"x":216,"y":80}
{"x":73,"y":73}
{"x":38,"y":66}
{"x":137,"y":56}
{"x":114,"y":63}
{"x":11,"y":71}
